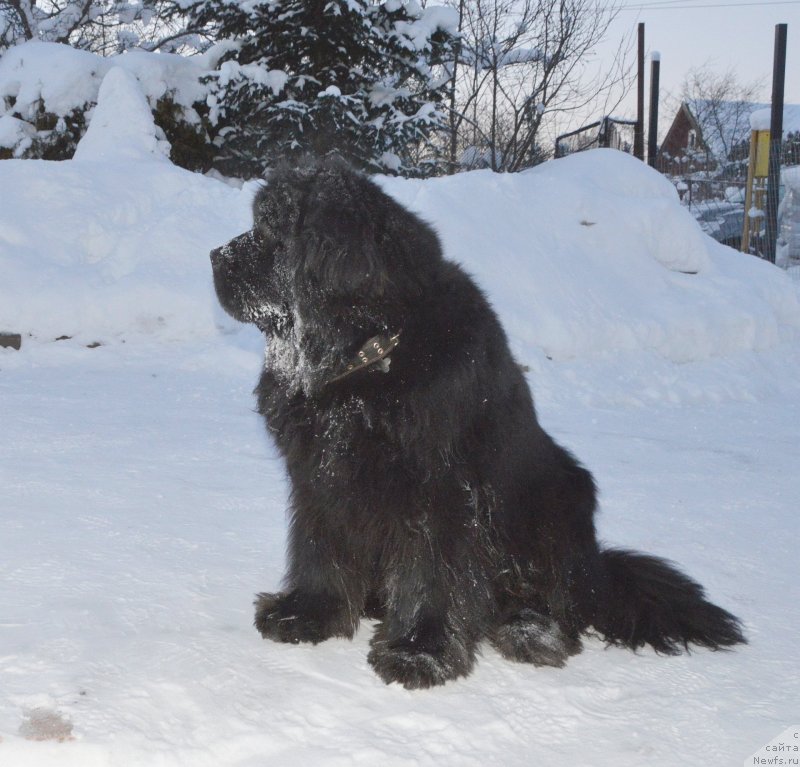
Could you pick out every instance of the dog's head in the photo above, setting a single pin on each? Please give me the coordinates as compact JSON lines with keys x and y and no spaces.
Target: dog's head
{"x":327,"y":241}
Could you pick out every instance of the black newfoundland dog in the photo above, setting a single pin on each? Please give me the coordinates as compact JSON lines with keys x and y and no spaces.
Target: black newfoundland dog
{"x":425,"y":493}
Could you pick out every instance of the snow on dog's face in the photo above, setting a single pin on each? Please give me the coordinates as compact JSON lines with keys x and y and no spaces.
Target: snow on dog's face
{"x":326,"y":241}
{"x":245,"y":284}
{"x":253,"y":272}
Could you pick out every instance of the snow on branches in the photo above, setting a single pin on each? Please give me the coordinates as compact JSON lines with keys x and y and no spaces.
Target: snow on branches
{"x":346,"y":76}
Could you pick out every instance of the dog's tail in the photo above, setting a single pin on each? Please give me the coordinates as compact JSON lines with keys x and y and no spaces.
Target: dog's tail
{"x":648,"y":601}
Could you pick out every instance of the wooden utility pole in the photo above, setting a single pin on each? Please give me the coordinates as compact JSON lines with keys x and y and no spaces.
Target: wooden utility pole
{"x":652,"y":139}
{"x":775,"y":138}
{"x":638,"y":131}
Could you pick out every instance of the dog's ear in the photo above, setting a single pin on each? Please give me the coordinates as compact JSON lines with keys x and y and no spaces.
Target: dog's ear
{"x":345,"y":229}
{"x":278,"y":205}
{"x":347,"y":260}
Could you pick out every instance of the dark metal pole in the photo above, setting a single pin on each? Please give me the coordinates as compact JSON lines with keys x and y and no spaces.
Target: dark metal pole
{"x":638,"y":131}
{"x":775,"y":137}
{"x":652,"y":139}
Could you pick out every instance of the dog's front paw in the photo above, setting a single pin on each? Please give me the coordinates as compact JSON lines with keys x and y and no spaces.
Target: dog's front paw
{"x":418,"y":664}
{"x":295,"y":618}
{"x":530,"y":637}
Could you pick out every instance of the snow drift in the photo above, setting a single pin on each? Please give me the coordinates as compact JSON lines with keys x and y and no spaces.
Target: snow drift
{"x":593,"y":254}
{"x":584,"y":256}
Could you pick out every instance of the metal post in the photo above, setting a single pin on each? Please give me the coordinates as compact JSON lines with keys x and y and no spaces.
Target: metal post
{"x":638,"y":131}
{"x":775,"y":137}
{"x":652,"y":139}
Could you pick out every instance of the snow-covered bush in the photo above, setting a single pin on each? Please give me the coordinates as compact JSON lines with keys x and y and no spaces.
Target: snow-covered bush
{"x":48,"y":93}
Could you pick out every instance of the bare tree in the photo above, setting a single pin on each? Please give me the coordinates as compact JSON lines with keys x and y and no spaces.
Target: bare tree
{"x":100,"y":26}
{"x":721,"y":105}
{"x":521,"y":64}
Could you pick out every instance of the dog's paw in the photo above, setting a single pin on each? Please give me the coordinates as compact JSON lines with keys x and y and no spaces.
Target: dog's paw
{"x":418,"y":664}
{"x":299,"y":618}
{"x":530,"y":637}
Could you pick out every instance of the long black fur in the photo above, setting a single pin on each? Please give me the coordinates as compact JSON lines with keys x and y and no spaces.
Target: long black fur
{"x":427,"y":496}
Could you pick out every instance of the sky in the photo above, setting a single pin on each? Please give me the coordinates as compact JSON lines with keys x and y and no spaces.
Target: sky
{"x":723,"y":34}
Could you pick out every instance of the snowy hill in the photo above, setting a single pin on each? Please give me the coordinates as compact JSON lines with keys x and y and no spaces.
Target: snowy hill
{"x":142,"y":504}
{"x":594,"y":254}
{"x":589,"y":255}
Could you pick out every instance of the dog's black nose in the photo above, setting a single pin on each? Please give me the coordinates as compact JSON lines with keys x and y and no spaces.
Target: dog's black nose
{"x":245,"y":246}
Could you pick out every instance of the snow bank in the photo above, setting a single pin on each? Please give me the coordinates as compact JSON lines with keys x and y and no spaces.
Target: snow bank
{"x":122,"y":236}
{"x":117,"y":249}
{"x":584,"y":256}
{"x":593,"y":254}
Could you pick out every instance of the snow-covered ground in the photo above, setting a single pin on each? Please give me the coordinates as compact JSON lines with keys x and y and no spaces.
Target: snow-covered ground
{"x":143,"y":508}
{"x":143,"y":504}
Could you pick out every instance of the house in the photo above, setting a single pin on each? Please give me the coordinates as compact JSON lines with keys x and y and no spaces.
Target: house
{"x":708,"y":135}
